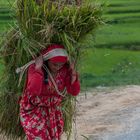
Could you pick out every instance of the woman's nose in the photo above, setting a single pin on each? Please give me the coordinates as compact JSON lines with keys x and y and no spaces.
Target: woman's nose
{"x":59,"y":67}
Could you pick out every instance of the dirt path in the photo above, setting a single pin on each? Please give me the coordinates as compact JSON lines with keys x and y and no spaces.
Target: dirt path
{"x":109,"y":114}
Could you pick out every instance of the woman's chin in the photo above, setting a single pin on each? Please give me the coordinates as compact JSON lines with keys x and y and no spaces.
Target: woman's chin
{"x":55,"y":71}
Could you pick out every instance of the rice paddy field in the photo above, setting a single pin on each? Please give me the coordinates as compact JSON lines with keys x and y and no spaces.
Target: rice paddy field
{"x":113,"y":54}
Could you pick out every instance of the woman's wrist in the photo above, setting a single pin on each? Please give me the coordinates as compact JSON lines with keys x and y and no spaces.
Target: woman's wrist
{"x":38,"y":67}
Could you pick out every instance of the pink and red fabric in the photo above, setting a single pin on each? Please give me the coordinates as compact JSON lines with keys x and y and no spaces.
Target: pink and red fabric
{"x":56,"y":59}
{"x":40,"y":105}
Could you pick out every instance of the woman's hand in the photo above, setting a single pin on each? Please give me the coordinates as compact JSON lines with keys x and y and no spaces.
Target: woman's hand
{"x":39,"y":62}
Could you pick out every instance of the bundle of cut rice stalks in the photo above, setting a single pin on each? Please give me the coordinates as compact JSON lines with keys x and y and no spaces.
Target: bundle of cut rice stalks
{"x":40,"y":24}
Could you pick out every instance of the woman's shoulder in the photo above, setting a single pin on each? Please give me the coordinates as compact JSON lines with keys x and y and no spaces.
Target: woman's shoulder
{"x":32,"y":70}
{"x":31,"y":67}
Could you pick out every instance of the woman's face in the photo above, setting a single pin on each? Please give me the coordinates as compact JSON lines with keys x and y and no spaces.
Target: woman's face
{"x":55,"y":67}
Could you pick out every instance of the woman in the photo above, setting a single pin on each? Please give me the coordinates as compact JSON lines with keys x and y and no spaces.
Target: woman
{"x":40,"y":106}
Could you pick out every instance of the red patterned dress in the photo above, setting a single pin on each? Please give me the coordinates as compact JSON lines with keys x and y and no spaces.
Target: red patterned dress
{"x":40,"y":105}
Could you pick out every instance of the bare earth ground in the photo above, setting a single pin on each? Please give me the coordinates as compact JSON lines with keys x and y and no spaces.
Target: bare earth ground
{"x":108,"y":114}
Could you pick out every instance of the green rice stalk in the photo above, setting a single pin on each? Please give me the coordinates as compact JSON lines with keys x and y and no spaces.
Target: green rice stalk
{"x":68,"y":108}
{"x":9,"y":116}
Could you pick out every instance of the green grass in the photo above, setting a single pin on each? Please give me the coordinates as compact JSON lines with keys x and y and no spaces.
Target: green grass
{"x":119,"y":2}
{"x":101,"y":61}
{"x":116,"y":2}
{"x":118,"y":35}
{"x":6,"y":3}
{"x":5,"y":14}
{"x":5,"y":25}
{"x":124,"y":8}
{"x":1,"y":67}
{"x":117,"y":11}
{"x":108,"y":67}
{"x":121,"y":16}
{"x":122,"y":25}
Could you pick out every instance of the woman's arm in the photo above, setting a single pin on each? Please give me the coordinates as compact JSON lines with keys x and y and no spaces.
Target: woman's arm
{"x":72,"y":82}
{"x":35,"y":77}
{"x":35,"y":80}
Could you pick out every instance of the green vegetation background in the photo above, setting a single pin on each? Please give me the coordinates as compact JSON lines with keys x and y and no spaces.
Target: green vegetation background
{"x":112,"y":56}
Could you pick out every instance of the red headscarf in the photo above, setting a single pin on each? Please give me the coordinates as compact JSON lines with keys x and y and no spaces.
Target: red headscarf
{"x":58,"y":58}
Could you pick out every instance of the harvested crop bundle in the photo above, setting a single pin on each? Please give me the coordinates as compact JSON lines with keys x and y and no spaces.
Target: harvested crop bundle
{"x":39,"y":24}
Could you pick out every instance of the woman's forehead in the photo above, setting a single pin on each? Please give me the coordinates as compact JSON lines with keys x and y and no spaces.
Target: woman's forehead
{"x":57,"y":63}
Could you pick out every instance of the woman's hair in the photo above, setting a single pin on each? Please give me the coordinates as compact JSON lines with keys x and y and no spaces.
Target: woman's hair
{"x":45,"y":73}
